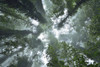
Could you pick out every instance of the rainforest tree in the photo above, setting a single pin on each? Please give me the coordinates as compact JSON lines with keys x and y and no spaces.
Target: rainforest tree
{"x":69,"y":28}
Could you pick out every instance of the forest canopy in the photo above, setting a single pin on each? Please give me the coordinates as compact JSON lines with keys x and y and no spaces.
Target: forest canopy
{"x":49,"y":33}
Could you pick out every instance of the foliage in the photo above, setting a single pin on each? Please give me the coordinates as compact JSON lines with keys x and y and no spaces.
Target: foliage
{"x":28,"y":7}
{"x":93,"y":44}
{"x":64,"y":55}
{"x":12,"y":18}
{"x":71,"y":5}
{"x":16,"y":23}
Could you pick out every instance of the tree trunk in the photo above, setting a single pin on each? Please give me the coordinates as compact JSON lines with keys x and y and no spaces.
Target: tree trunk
{"x":7,"y":33}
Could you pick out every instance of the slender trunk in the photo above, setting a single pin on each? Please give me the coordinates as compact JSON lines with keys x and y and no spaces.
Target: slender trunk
{"x":7,"y":33}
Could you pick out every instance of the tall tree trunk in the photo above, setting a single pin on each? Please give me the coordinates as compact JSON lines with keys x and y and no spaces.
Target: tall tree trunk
{"x":7,"y":33}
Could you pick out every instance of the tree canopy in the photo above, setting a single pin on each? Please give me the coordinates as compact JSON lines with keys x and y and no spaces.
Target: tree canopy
{"x":49,"y":33}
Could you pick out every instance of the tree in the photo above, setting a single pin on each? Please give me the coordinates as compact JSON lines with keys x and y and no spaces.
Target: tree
{"x":64,"y":55}
{"x":19,"y":36}
{"x":28,"y":7}
{"x":72,"y":7}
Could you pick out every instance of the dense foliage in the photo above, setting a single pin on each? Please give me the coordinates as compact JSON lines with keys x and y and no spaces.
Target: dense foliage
{"x":65,"y":55}
{"x":22,"y":22}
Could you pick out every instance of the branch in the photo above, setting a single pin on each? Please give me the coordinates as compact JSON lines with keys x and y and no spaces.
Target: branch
{"x":71,"y":13}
